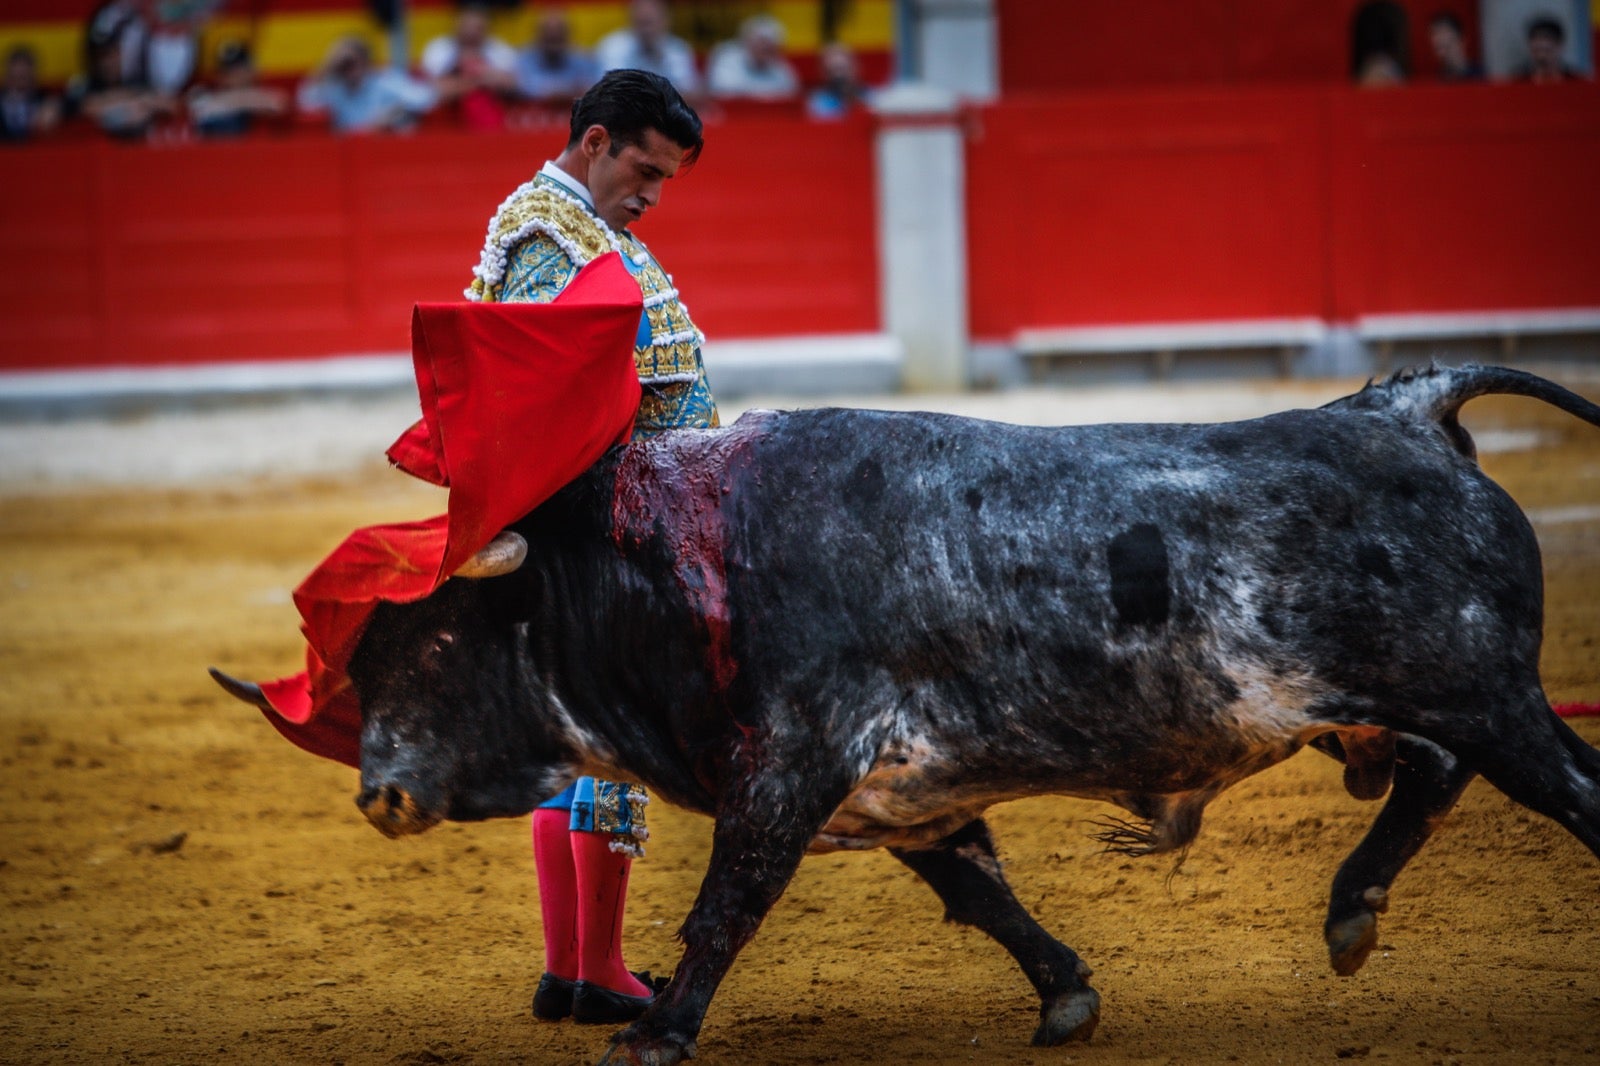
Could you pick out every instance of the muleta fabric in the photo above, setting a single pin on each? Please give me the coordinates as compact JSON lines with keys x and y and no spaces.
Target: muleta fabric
{"x":539,"y":239}
{"x":555,"y":408}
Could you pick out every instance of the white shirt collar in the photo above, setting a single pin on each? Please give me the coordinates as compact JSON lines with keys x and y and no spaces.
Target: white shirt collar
{"x":567,"y":181}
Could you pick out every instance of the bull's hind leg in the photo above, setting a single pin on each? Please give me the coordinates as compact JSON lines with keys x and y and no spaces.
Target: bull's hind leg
{"x":963,"y":870}
{"x":1536,"y":759}
{"x":1427,"y":782}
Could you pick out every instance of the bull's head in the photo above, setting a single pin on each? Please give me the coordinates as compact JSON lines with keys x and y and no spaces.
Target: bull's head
{"x":452,"y":722}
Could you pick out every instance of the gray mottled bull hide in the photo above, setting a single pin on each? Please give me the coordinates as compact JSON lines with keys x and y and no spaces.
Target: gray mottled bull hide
{"x":854,"y":629}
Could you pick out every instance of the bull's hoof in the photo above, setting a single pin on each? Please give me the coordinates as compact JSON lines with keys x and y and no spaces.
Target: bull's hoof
{"x":1070,"y":1016}
{"x":631,"y":1048}
{"x":1350,"y":942}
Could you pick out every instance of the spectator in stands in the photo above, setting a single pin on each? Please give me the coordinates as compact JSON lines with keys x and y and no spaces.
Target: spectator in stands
{"x":841,"y":91}
{"x":125,"y":23}
{"x":26,"y":110}
{"x":752,"y":67}
{"x":472,"y":69}
{"x":231,"y":106}
{"x":646,"y":44}
{"x":172,"y":47}
{"x":359,"y":97}
{"x":122,"y":105}
{"x":1547,"y":40}
{"x":1380,"y":70}
{"x":551,"y":70}
{"x":1449,"y":43}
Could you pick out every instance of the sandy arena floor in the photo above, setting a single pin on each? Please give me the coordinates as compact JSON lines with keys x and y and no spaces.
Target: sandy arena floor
{"x":178,"y":885}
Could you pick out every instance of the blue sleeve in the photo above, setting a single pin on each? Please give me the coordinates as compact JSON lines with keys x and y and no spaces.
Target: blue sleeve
{"x":536,"y":271}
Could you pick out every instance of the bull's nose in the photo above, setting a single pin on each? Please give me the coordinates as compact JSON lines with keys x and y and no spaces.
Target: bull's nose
{"x":393,"y":811}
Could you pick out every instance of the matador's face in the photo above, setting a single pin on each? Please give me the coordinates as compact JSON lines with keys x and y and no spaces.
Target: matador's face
{"x":626,"y":183}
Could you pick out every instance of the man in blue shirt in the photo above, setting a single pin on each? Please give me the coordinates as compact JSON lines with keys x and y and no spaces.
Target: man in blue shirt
{"x":550,"y":70}
{"x":359,"y":97}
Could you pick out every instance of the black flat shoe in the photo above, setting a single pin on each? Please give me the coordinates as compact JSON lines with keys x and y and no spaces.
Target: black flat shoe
{"x":595,"y":1005}
{"x":553,"y":1000}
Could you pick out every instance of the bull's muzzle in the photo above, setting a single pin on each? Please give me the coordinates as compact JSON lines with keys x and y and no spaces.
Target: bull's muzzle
{"x":393,"y":811}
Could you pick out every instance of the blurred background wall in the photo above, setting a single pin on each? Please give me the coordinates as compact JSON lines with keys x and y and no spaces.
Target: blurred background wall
{"x":1174,"y":183}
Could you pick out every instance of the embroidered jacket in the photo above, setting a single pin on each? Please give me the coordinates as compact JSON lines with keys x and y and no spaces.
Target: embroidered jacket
{"x":540,"y":238}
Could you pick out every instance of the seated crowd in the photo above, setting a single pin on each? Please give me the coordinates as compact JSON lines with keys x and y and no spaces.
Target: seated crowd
{"x":1381,"y":65}
{"x":141,"y":77}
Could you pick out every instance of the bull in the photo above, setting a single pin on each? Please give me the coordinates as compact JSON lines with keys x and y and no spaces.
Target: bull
{"x":844,"y":629}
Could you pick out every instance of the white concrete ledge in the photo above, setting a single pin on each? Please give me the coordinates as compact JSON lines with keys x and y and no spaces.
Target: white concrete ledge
{"x":823,"y":350}
{"x":1171,"y":336}
{"x":1477,"y":324}
{"x":350,"y":372}
{"x":1163,"y":340}
{"x":807,"y":366}
{"x":835,"y":363}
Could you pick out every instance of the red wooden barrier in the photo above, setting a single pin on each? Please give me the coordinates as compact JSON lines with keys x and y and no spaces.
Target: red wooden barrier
{"x":1143,"y":207}
{"x":1097,"y":208}
{"x":286,"y":247}
{"x":1465,"y":198}
{"x":1054,"y":48}
{"x":1257,"y":203}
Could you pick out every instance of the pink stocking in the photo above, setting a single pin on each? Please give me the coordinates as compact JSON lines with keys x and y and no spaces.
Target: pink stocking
{"x":558,"y":891}
{"x":602,"y":891}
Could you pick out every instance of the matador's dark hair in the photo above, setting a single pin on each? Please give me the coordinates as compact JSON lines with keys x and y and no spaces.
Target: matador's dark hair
{"x":629,"y":102}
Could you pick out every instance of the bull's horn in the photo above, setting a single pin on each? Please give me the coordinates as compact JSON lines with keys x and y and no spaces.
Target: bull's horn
{"x":247,"y":691}
{"x":501,"y":555}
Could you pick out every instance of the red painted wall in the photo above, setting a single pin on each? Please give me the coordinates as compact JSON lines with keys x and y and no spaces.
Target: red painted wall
{"x":1247,"y":203}
{"x":1048,"y":47}
{"x":309,"y":245}
{"x":1107,"y":207}
{"x":1146,"y":207}
{"x":1448,"y":199}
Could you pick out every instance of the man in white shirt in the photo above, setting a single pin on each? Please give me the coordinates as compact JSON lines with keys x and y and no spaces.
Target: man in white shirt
{"x":551,"y":70}
{"x":471,"y":46}
{"x":472,"y":68}
{"x":752,"y":67}
{"x":647,"y":44}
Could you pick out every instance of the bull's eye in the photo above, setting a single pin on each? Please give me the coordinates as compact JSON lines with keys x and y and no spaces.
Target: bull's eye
{"x":443,"y":642}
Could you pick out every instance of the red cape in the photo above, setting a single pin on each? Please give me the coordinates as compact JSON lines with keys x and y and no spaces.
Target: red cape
{"x":517,"y":400}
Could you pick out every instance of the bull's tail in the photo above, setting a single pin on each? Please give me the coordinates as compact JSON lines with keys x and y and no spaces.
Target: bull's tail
{"x":1437,"y":393}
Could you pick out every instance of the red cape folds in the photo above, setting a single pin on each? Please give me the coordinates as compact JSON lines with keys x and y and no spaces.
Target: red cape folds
{"x":517,"y":400}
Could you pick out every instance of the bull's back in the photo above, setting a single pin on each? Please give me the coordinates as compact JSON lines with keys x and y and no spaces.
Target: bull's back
{"x":1078,"y":565}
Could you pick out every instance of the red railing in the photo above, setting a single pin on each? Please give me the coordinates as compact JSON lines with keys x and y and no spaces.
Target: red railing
{"x":304,"y":245}
{"x":1256,"y":203}
{"x":1114,"y":208}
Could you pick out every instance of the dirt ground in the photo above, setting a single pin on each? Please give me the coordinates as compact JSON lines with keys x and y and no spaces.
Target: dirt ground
{"x":179,"y":885}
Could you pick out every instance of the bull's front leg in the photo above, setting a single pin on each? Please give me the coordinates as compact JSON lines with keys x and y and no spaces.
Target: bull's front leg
{"x":765,"y":820}
{"x":1427,"y":782}
{"x":963,"y":869}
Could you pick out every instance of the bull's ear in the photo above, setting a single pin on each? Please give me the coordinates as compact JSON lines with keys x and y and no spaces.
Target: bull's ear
{"x":501,"y":555}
